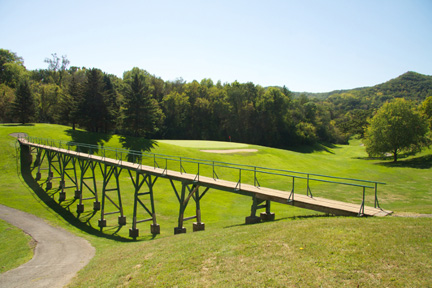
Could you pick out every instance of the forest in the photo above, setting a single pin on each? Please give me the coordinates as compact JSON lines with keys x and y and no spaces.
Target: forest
{"x":144,"y":105}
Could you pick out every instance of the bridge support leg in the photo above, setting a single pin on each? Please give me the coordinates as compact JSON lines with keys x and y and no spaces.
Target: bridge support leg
{"x":86,"y":165}
{"x":154,"y":227}
{"x":40,"y":156}
{"x":198,"y":226}
{"x":50,"y":157}
{"x":189,"y":190}
{"x":64,"y":162}
{"x":38,"y":163}
{"x":267,"y":215}
{"x":180,"y":229}
{"x":54,"y":157}
{"x":107,"y":173}
{"x":252,"y":219}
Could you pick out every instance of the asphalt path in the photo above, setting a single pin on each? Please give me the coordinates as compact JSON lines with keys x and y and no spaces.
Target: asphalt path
{"x":58,"y":255}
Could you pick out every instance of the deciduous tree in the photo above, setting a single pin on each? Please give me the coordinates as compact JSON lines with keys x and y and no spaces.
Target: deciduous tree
{"x":397,"y":127}
{"x":426,"y":109}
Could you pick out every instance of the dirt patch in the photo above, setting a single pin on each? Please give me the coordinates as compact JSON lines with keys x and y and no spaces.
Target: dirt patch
{"x":18,"y":135}
{"x":231,"y":151}
{"x":412,"y":215}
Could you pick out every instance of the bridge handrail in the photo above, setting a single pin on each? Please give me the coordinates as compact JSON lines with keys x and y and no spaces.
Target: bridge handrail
{"x":240,"y":167}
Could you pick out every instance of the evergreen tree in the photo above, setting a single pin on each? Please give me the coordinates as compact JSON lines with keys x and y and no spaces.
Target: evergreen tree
{"x":112,"y":104}
{"x":23,"y":106}
{"x":92,"y":109}
{"x":75,"y":100}
{"x":139,"y":110}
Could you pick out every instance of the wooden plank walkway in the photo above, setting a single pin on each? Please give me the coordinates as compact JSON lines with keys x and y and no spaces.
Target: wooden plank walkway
{"x":284,"y":197}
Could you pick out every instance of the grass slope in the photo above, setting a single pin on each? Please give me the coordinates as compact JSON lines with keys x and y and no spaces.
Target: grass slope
{"x":15,"y":242}
{"x":229,"y":253}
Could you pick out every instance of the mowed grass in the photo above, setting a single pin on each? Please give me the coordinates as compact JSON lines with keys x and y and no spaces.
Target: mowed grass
{"x":205,"y":144}
{"x":319,"y":252}
{"x":16,"y":247}
{"x":229,"y":253}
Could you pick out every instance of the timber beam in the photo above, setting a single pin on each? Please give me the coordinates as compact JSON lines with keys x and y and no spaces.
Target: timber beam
{"x":107,"y":172}
{"x":87,"y":174}
{"x":137,"y":183}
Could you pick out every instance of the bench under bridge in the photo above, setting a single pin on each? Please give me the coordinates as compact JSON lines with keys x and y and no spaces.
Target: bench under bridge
{"x":77,"y":167}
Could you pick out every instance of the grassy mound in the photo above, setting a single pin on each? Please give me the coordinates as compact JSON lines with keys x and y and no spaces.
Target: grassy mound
{"x":302,"y":247}
{"x":16,"y":247}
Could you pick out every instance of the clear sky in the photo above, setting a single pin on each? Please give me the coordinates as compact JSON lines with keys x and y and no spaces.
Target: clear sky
{"x":314,"y":46}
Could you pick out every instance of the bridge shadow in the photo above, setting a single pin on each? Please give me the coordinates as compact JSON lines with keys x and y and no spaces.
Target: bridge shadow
{"x":97,"y":139}
{"x":64,"y":211}
{"x":137,"y":145}
{"x":287,"y":218}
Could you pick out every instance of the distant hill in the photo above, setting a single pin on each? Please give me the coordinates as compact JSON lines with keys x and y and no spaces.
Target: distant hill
{"x":410,"y":85}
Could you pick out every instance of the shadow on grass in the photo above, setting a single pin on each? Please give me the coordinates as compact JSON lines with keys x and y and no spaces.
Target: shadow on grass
{"x":318,"y":147}
{"x":64,"y":212}
{"x":136,"y":145}
{"x":17,"y":125}
{"x":287,"y":218}
{"x":97,"y":139}
{"x":423,"y":162}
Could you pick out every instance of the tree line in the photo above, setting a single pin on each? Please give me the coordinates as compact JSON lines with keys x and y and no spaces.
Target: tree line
{"x":144,"y":105}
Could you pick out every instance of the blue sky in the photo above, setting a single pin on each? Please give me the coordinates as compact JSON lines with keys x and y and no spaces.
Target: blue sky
{"x":314,"y":46}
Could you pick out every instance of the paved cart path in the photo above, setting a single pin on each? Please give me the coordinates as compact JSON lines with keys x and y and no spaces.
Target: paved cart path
{"x":58,"y":255}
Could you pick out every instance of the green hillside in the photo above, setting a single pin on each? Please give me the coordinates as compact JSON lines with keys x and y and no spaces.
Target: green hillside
{"x":410,"y":85}
{"x":302,"y":248}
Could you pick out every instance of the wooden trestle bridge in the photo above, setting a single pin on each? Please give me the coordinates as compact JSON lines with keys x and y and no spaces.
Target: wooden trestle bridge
{"x":76,"y":166}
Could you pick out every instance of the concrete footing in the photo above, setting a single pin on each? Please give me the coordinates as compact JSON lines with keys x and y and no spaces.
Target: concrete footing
{"x":267,"y":216}
{"x":77,"y":194}
{"x":253,"y":219}
{"x":178,"y":230}
{"x":122,"y":220}
{"x":80,"y":208}
{"x":102,"y":223}
{"x":62,"y":184}
{"x":198,"y":226}
{"x":48,"y":186}
{"x":134,"y":233}
{"x":155,"y":229}
{"x":62,"y":196}
{"x":96,"y":206}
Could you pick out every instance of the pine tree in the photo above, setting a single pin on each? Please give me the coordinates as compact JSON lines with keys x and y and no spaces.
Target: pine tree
{"x":92,"y":109}
{"x":113,"y":107}
{"x":75,"y":99}
{"x":23,"y":106}
{"x":139,"y":110}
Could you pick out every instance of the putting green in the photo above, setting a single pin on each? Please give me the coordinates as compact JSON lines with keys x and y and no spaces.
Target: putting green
{"x":202,"y":144}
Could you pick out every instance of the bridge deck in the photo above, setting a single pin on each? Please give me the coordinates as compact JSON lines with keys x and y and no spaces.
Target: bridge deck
{"x":284,"y":197}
